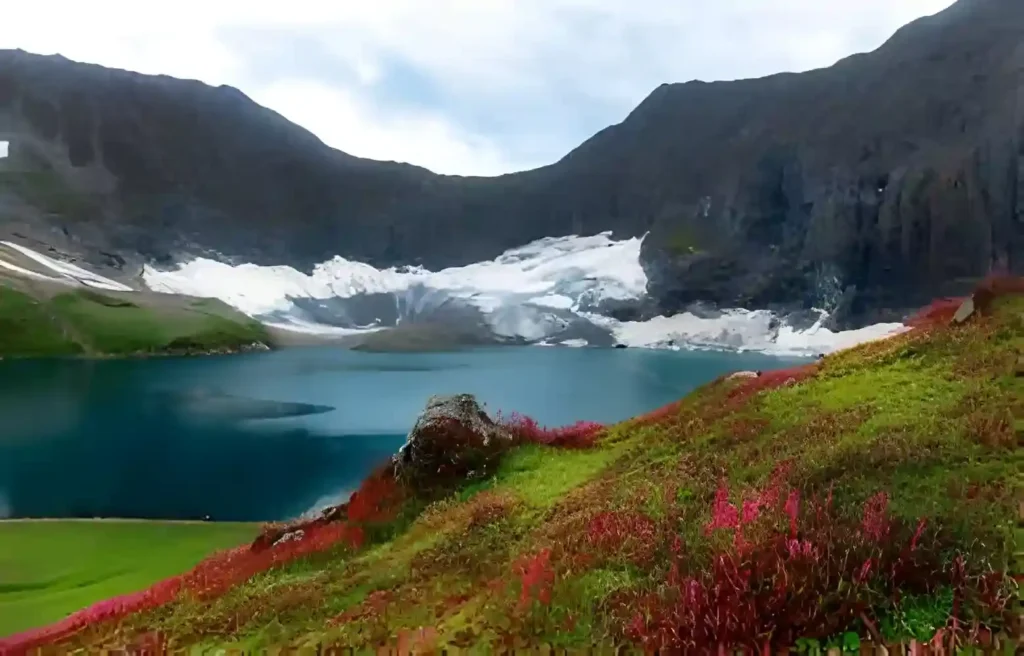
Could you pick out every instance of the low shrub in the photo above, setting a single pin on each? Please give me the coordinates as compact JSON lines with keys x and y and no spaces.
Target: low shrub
{"x":768,"y":380}
{"x":526,"y":430}
{"x":790,"y":574}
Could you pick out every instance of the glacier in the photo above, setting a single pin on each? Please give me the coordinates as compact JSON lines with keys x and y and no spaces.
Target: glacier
{"x":554,"y":291}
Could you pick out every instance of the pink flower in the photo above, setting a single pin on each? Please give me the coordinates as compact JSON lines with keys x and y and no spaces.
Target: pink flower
{"x":723,"y":513}
{"x":801,"y":548}
{"x":792,"y":509}
{"x":751,"y":510}
{"x":865,"y":570}
{"x":875,"y":523}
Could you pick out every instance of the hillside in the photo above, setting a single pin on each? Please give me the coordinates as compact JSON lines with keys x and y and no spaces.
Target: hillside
{"x":868,"y":497}
{"x":43,"y":314}
{"x":85,"y":322}
{"x":875,"y":185}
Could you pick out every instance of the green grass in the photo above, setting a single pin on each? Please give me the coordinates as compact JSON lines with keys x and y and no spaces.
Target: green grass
{"x":930,"y":418}
{"x":27,"y":327}
{"x":94,"y":323}
{"x":542,"y":475}
{"x":127,"y":328}
{"x":49,"y":569}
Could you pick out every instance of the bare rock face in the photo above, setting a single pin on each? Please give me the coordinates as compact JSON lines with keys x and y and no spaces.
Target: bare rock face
{"x":453,"y":440}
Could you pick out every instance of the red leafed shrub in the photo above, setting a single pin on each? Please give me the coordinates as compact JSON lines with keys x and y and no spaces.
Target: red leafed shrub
{"x":939,"y":313}
{"x":631,"y":535}
{"x":537,"y":577}
{"x":659,"y":415}
{"x":378,"y":498}
{"x":771,"y":380}
{"x":793,"y":572}
{"x":525,"y":429}
{"x":997,"y":285}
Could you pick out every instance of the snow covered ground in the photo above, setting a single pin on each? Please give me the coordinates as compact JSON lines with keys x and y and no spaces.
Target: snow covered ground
{"x":538,"y":292}
{"x":57,"y":271}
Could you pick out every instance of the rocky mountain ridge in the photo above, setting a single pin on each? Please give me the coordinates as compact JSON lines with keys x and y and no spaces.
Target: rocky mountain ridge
{"x":871,"y":186}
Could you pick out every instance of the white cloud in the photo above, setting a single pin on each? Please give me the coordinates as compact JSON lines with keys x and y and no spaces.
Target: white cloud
{"x":538,"y":66}
{"x":338,"y":117}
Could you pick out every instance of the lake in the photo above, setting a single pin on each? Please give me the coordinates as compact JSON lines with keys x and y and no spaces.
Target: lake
{"x":269,"y":436}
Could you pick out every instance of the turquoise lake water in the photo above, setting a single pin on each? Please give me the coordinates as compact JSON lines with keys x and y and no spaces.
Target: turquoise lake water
{"x":269,"y":436}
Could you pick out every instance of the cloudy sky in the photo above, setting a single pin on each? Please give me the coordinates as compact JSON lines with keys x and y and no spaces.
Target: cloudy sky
{"x":458,"y":86}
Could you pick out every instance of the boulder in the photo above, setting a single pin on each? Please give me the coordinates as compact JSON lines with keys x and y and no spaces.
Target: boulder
{"x":453,"y":440}
{"x":740,"y":375}
{"x":965,"y":311}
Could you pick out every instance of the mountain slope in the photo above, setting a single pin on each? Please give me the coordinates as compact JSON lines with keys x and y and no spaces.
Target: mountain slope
{"x":891,"y":176}
{"x":51,"y":309}
{"x":873,"y":493}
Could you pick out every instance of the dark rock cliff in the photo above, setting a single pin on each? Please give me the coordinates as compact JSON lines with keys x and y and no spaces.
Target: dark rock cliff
{"x":873,"y":185}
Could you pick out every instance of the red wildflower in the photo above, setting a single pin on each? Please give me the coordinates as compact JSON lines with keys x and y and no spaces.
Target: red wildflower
{"x":627,"y":533}
{"x":723,"y":513}
{"x":581,"y":434}
{"x":864,"y":571}
{"x":792,"y":510}
{"x":917,"y":533}
{"x":804,"y":548}
{"x":875,"y":524}
{"x":772,"y":493}
{"x":751,"y":509}
{"x":537,"y":577}
{"x":377,"y":499}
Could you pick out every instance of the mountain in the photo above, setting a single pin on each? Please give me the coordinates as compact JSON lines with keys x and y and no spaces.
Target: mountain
{"x":871,"y":186}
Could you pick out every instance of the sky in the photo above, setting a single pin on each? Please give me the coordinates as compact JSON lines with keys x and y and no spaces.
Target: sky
{"x":468,"y":87}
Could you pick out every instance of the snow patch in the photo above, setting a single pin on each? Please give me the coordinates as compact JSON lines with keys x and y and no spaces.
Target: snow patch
{"x":532,"y":293}
{"x":742,"y":330}
{"x":552,"y":272}
{"x":66,"y":272}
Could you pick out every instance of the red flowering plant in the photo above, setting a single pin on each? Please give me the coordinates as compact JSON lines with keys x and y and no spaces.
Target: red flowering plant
{"x":526,"y":430}
{"x":794,"y":570}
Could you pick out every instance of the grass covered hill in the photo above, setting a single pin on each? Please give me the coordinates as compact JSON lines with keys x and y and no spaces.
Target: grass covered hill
{"x":42,"y":580}
{"x":870,"y":497}
{"x":47,"y":320}
{"x":45,"y":312}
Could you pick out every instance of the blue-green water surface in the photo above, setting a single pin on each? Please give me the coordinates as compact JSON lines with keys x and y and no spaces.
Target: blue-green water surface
{"x":268,"y":436}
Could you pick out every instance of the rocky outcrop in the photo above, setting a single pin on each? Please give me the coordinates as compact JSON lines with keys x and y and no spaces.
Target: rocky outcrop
{"x":872,"y":186}
{"x":453,"y":440}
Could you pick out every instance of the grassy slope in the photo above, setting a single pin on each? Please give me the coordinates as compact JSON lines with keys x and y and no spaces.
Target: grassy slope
{"x":79,"y":321}
{"x":51,"y":568}
{"x":931,"y":417}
